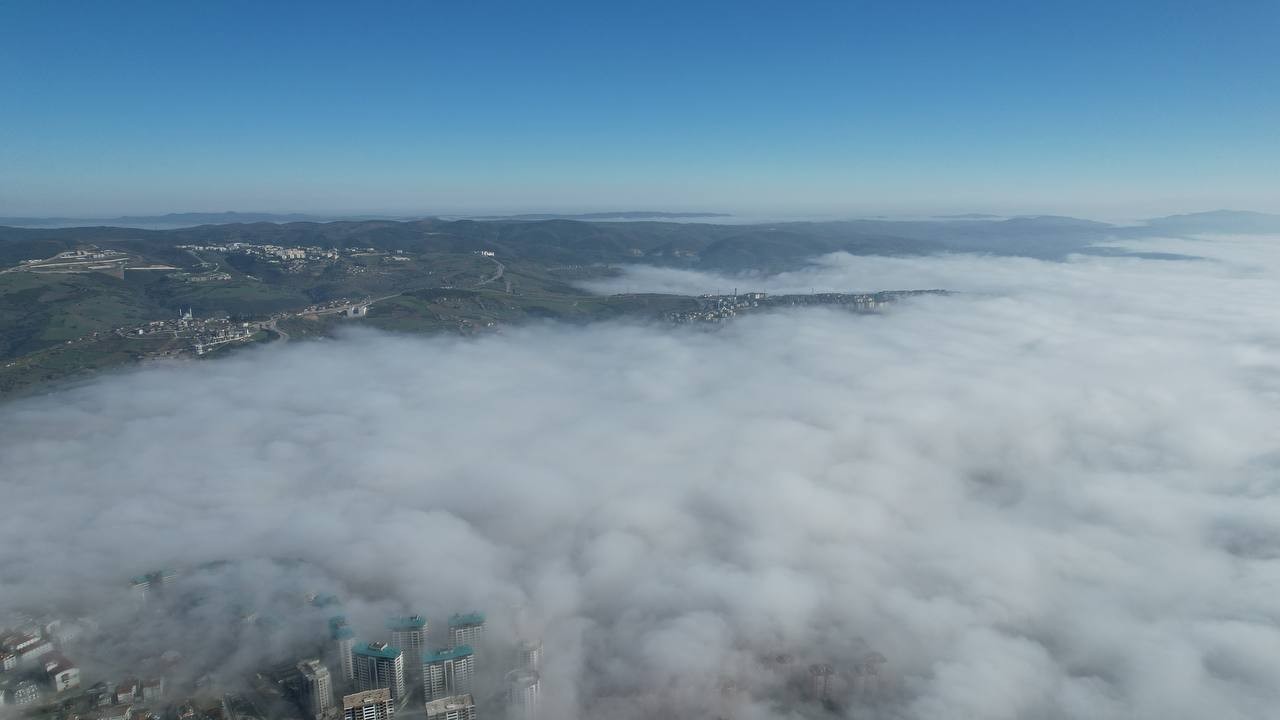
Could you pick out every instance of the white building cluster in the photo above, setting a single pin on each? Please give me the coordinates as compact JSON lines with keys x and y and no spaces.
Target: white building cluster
{"x":32,"y":668}
{"x":408,"y":670}
{"x":281,"y":252}
{"x":404,"y":670}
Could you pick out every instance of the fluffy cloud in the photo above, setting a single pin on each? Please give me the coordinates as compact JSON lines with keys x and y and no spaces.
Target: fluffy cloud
{"x":1051,"y":496}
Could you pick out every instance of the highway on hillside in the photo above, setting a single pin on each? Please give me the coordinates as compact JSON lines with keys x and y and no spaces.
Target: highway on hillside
{"x":343,"y":309}
{"x":496,"y":276}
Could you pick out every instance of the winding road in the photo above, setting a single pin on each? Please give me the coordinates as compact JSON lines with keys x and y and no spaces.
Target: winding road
{"x":496,"y":276}
{"x":273,"y":325}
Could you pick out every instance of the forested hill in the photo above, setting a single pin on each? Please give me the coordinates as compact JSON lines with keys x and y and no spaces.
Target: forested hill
{"x":705,"y":245}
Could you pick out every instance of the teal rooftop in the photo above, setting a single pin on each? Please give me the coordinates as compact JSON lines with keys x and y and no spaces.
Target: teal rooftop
{"x":459,"y":620}
{"x":376,"y":649}
{"x":406,"y":623}
{"x":446,"y":654}
{"x":338,"y":629}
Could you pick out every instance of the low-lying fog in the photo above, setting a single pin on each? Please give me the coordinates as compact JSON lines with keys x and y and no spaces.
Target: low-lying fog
{"x":1054,"y":495}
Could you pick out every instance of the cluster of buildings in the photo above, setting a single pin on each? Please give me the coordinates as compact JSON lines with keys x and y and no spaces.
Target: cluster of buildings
{"x":201,"y":277}
{"x":346,"y":306}
{"x":450,"y":671}
{"x":128,"y":699}
{"x":151,"y":584}
{"x":292,"y":258}
{"x":203,"y":334}
{"x":447,"y":672}
{"x":720,"y":308}
{"x":32,"y":667}
{"x":383,"y":678}
{"x":866,"y":679}
{"x":864,"y":302}
{"x":279,"y":252}
{"x":36,"y":668}
{"x":87,"y":259}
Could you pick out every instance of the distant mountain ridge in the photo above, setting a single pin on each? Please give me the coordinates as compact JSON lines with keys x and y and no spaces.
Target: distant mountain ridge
{"x":192,"y":219}
{"x":1219,"y":221}
{"x":172,"y":220}
{"x":625,"y":215}
{"x":705,"y":245}
{"x":1213,"y":221}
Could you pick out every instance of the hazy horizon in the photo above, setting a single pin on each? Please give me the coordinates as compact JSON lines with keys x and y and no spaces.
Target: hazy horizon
{"x":714,"y":216}
{"x":1111,"y":214}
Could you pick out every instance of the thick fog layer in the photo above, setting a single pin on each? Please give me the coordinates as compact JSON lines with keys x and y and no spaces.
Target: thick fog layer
{"x":1051,"y":496}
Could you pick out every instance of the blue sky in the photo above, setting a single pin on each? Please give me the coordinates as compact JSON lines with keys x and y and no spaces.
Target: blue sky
{"x":1094,"y":108}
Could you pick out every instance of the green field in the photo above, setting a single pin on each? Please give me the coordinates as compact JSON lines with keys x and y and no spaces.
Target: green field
{"x":472,"y":310}
{"x":38,"y":311}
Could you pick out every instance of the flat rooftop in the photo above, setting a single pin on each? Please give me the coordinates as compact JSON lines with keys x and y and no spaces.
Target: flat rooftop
{"x":312,"y":667}
{"x":381,"y":695}
{"x":381,"y":650}
{"x":446,"y":654}
{"x":463,"y":619}
{"x":338,"y":629}
{"x":453,"y":702}
{"x":412,"y":622}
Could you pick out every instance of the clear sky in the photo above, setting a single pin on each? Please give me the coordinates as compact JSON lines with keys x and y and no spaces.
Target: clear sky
{"x":855,"y":107}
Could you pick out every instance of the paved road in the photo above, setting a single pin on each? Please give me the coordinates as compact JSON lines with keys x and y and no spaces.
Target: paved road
{"x":496,"y":276}
{"x":274,"y":327}
{"x":284,"y":336}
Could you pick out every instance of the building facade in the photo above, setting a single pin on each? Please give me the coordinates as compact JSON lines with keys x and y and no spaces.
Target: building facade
{"x":343,"y":642}
{"x":370,"y":705}
{"x":531,"y":655}
{"x":523,"y":688}
{"x":466,"y":629}
{"x":454,"y":707}
{"x":152,"y":689}
{"x":409,"y":634}
{"x":315,"y":692}
{"x":447,"y":672}
{"x":63,"y":674}
{"x":378,"y":665}
{"x":24,"y":647}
